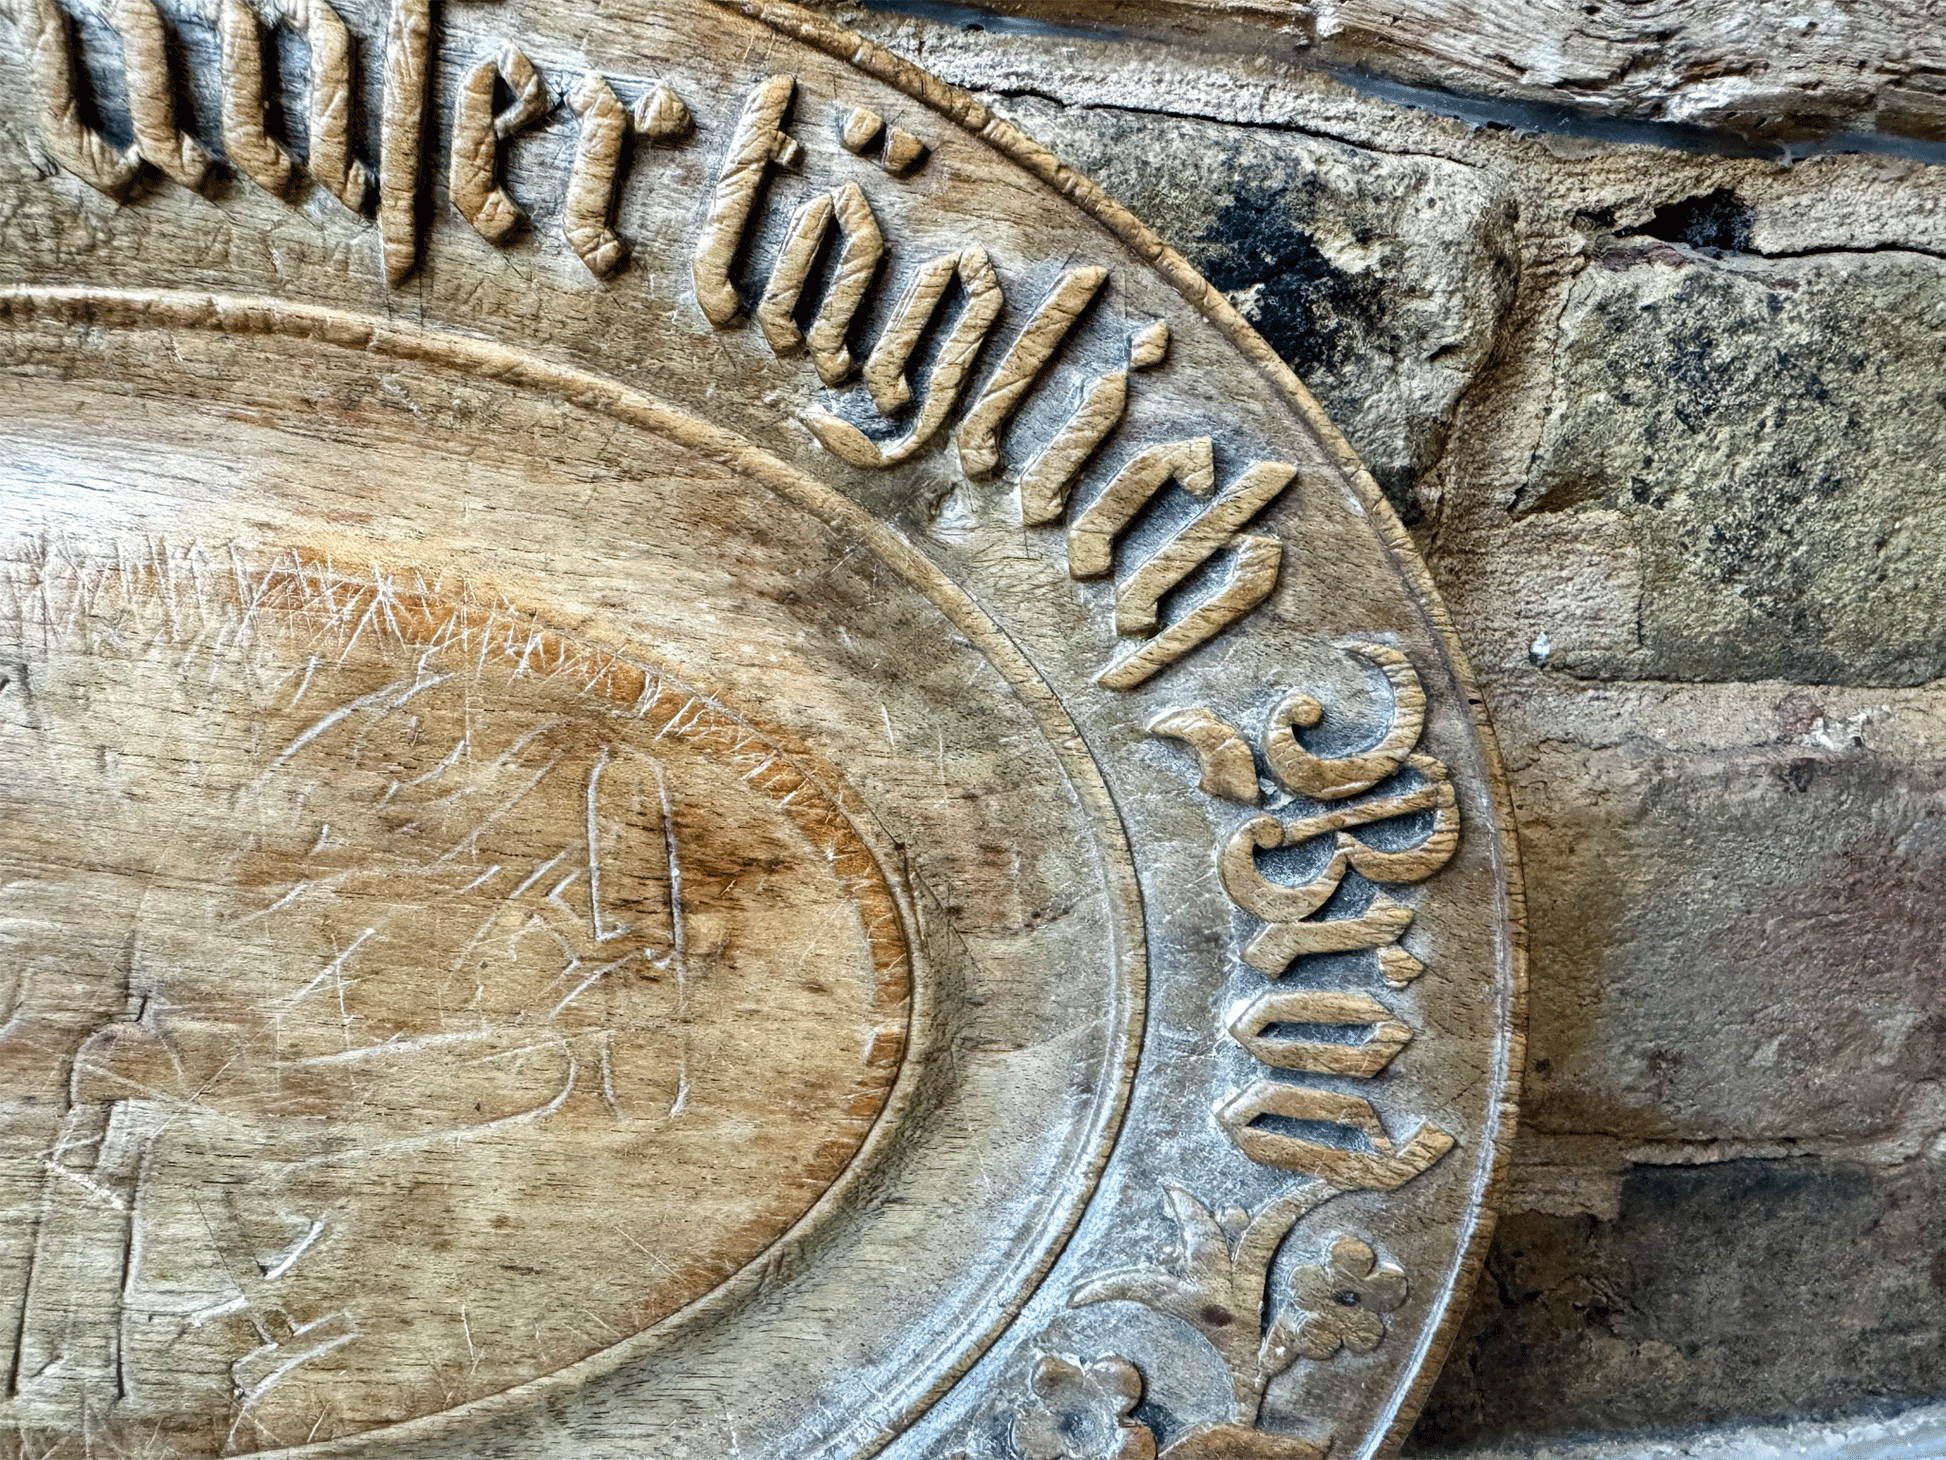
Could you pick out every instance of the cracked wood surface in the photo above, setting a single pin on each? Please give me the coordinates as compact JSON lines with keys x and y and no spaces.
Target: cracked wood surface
{"x":1772,"y":71}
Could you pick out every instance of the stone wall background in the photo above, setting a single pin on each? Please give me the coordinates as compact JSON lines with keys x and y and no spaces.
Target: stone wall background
{"x":1670,"y":429}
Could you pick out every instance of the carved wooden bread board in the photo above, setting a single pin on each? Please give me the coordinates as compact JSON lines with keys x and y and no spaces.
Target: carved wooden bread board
{"x":696,"y":762}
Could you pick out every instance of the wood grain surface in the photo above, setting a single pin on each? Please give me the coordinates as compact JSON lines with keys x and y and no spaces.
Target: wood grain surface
{"x":1769,"y":70}
{"x":698,"y":762}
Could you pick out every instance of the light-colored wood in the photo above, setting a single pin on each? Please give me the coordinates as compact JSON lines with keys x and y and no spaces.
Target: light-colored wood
{"x":741,"y":779}
{"x":452,"y":913}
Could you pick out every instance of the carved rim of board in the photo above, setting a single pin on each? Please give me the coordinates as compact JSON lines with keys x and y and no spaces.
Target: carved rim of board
{"x":602,"y":251}
{"x":968,"y":112}
{"x":1040,"y":1246}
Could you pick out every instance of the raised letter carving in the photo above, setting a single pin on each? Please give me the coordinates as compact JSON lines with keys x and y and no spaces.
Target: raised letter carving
{"x":1150,"y":347}
{"x":1044,"y":489}
{"x":903,"y":152}
{"x":478,"y":132}
{"x":501,"y":776}
{"x":408,"y":89}
{"x":48,"y":35}
{"x":863,"y":126}
{"x":251,"y":149}
{"x":152,"y":96}
{"x":885,"y":370}
{"x":1282,"y":906}
{"x":1091,"y":536}
{"x":661,"y":116}
{"x":1385,"y":1167}
{"x":1256,"y":1030}
{"x":759,"y":141}
{"x":979,"y":446}
{"x":1331,"y":778}
{"x":858,"y":261}
{"x":1215,"y":530}
{"x":331,"y":162}
{"x":591,"y":186}
{"x":1137,"y":604}
{"x":1264,"y":1027}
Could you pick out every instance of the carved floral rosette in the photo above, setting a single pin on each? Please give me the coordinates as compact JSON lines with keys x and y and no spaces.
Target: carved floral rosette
{"x":830,"y":817}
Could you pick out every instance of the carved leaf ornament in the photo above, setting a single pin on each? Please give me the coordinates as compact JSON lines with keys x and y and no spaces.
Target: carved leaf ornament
{"x":696,"y":760}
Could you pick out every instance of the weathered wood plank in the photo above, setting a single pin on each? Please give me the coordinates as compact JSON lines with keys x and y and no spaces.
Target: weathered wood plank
{"x":1772,"y":70}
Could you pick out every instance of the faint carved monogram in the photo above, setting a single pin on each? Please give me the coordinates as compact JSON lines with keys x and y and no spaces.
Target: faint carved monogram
{"x":621,"y":899}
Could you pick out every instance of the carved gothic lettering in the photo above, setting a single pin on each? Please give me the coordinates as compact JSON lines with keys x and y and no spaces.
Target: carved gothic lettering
{"x":1150,"y":347}
{"x":862,"y":248}
{"x":1255,"y":893}
{"x":408,"y":91}
{"x":48,"y":37}
{"x":661,"y":117}
{"x":758,"y":142}
{"x":330,"y":160}
{"x":1191,"y":464}
{"x":903,"y":152}
{"x":1330,"y":778}
{"x":592,"y":184}
{"x":251,"y":149}
{"x":1374,"y":1163}
{"x":862,"y":128}
{"x":1045,"y":487}
{"x":1282,"y":905}
{"x":478,"y":131}
{"x":1257,"y":1028}
{"x":1252,"y":579}
{"x":894,"y":349}
{"x":1021,"y":366}
{"x":884,"y":371}
{"x":1414,"y":863}
{"x":1293,"y":1029}
{"x":509,"y":766}
{"x":152,"y":96}
{"x":803,"y":238}
{"x":1137,"y":604}
{"x":1091,"y":536}
{"x":1280,"y":944}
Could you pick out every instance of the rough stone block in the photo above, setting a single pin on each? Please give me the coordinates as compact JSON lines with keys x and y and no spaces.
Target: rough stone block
{"x":1732,"y":945}
{"x":1381,"y":279}
{"x":1746,"y":1288}
{"x":1773,"y":430}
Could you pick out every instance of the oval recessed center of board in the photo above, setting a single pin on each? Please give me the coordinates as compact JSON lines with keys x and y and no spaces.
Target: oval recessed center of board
{"x":462,"y":921}
{"x":427,"y":964}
